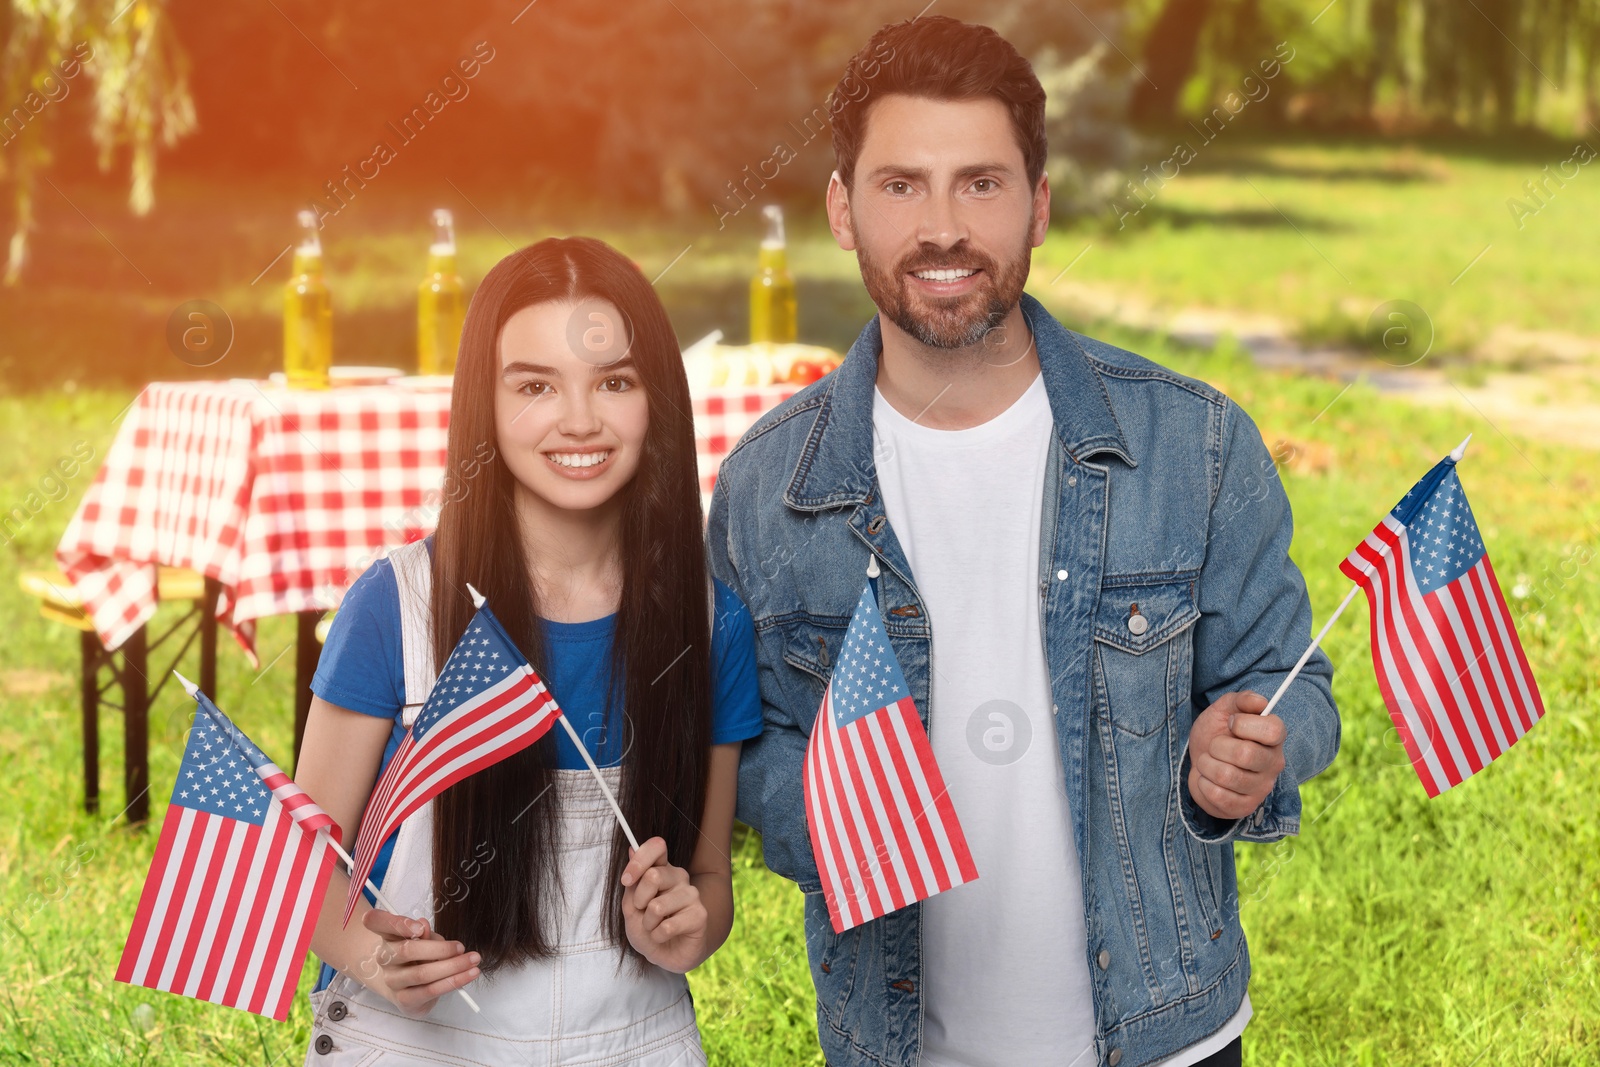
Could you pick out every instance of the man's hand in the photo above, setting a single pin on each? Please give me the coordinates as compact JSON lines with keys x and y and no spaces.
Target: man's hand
{"x":1235,"y":755}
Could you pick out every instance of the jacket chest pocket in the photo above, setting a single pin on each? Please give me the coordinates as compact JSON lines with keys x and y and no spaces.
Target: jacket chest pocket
{"x":1143,"y":648}
{"x":810,"y":647}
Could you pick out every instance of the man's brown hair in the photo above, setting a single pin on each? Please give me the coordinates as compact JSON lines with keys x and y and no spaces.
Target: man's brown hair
{"x":940,"y":58}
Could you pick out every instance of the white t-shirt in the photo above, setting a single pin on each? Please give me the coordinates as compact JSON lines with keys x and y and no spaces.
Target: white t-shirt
{"x":1004,"y":979}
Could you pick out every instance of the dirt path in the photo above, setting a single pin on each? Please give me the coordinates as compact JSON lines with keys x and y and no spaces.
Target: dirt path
{"x":1556,"y":399}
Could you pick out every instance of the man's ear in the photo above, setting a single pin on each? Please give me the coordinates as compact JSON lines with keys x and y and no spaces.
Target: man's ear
{"x":839,"y":213}
{"x":1041,"y":210}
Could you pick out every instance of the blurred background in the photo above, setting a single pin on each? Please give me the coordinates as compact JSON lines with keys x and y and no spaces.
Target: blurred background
{"x":1373,"y":222}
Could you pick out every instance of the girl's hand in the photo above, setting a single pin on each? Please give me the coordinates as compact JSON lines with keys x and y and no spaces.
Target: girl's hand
{"x":661,"y":910}
{"x":413,"y":966}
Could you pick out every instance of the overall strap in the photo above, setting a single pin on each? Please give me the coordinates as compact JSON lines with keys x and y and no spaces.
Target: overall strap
{"x":413,"y":573}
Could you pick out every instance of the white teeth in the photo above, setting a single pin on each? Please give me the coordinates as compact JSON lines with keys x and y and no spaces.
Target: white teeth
{"x":943,"y":275}
{"x":578,"y":459}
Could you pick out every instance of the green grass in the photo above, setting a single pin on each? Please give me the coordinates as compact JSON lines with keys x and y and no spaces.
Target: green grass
{"x":1320,"y":234}
{"x":1394,"y":929}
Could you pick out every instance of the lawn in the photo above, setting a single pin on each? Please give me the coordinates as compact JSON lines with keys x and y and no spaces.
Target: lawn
{"x":1393,"y":929}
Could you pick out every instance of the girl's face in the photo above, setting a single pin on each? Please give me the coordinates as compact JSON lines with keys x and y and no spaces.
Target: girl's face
{"x":570,"y":409}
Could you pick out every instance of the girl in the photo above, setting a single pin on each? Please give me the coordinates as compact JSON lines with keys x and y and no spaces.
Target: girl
{"x":575,"y":509}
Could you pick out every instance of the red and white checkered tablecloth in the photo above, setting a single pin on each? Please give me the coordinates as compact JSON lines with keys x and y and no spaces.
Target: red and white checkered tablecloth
{"x":721,"y":416}
{"x":284,"y":496}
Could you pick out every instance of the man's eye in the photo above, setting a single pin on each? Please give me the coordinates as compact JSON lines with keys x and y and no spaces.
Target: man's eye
{"x":898,"y":187}
{"x":986,"y":183}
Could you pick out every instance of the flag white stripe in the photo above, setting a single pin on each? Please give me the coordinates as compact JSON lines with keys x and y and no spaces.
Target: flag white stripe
{"x":219,"y":903}
{"x":852,"y":901}
{"x":1508,"y":643}
{"x":854,"y":806}
{"x":298,"y":913}
{"x":928,"y":807}
{"x":1422,"y":734}
{"x":1478,"y":667}
{"x":1438,"y":652}
{"x":824,"y":826}
{"x":919,"y":855}
{"x":887,"y":817}
{"x":241,"y":918}
{"x":1489,"y":638}
{"x":169,"y":882}
{"x":274,"y":872}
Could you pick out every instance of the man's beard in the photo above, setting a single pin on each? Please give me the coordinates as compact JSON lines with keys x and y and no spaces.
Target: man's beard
{"x":946,"y":321}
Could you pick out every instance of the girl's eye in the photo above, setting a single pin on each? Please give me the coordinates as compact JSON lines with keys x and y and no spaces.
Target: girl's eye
{"x":534,"y":388}
{"x":617,"y":383}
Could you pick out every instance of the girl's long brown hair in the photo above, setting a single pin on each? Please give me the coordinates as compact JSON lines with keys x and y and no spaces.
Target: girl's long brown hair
{"x":493,"y":854}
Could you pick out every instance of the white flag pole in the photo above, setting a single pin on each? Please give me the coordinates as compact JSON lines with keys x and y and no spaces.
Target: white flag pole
{"x":383,"y":901}
{"x":477,"y":602}
{"x":1455,"y":457}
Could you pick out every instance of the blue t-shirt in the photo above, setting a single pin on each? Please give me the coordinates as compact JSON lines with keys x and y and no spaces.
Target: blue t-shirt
{"x":362,"y":668}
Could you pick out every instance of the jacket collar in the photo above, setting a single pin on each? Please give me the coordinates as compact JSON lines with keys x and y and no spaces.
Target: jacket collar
{"x":836,"y":465}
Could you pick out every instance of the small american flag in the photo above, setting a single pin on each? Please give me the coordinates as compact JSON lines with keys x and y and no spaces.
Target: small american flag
{"x":882,"y":827}
{"x":237,"y":880}
{"x":487,"y":704}
{"x":1444,"y":647}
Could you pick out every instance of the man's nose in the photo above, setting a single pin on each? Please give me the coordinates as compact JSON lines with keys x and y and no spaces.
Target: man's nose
{"x":941,"y":223}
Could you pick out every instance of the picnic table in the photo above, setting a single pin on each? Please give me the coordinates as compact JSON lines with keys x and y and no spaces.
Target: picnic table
{"x":281,"y":498}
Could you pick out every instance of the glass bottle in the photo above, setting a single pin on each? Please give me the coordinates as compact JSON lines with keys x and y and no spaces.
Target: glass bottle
{"x":441,"y":302}
{"x":307,"y":314}
{"x":772,"y":295}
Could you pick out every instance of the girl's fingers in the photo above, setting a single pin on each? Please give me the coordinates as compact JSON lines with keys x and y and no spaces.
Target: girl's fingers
{"x":691,"y":920}
{"x":400,"y":927}
{"x":419,"y":951}
{"x":648,"y":855}
{"x":655,"y":881}
{"x":431,"y":973}
{"x":669,"y":903}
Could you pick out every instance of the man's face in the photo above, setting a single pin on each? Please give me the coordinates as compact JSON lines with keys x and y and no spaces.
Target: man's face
{"x":941,"y":216}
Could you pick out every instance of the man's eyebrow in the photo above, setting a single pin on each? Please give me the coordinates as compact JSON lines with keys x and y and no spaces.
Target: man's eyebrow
{"x":972,"y":170}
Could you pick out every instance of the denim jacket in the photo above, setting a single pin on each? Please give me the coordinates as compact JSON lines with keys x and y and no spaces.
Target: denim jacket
{"x":1160,"y":501}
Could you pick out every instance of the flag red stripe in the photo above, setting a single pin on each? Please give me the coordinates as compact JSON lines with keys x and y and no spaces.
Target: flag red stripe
{"x":194,"y":936}
{"x":880,"y":868}
{"x":1430,"y":662}
{"x":917,"y":869}
{"x":308,"y":926}
{"x":296,"y":848}
{"x":915,"y":746}
{"x":1386,"y":582}
{"x":257,"y":913}
{"x":941,"y":793}
{"x":1377,"y":627}
{"x":1533,"y":703}
{"x":250,"y":844}
{"x":1485,"y":671}
{"x":1450,"y":639}
{"x":827,"y":818}
{"x":845,"y":796}
{"x":152,"y":887}
{"x":189,"y":846}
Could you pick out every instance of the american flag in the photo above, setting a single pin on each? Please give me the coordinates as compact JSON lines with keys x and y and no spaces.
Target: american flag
{"x":1444,"y":647}
{"x":237,"y":880}
{"x":882,"y":827}
{"x":487,"y":704}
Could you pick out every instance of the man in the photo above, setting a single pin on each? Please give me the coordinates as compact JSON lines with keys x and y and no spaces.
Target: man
{"x":1084,"y":576}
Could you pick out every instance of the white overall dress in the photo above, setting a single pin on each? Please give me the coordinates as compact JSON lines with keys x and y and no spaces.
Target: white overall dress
{"x":577,"y":1007}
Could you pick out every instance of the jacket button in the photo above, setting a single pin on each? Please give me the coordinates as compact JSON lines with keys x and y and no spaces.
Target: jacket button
{"x":1138,"y":624}
{"x":1104,"y":959}
{"x":1072,"y":480}
{"x":323,"y":1044}
{"x":826,"y":969}
{"x":337,"y":1011}
{"x":1061,"y":575}
{"x":1115,"y":1057}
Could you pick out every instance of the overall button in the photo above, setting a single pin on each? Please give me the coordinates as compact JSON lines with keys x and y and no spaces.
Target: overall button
{"x":1104,"y":959}
{"x":323,"y":1044}
{"x":1115,"y":1057}
{"x":337,"y":1011}
{"x":1061,"y":575}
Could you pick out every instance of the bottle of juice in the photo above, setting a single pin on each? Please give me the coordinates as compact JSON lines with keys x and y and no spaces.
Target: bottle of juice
{"x":307,"y":314}
{"x":772,"y":297}
{"x":441,"y":302}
